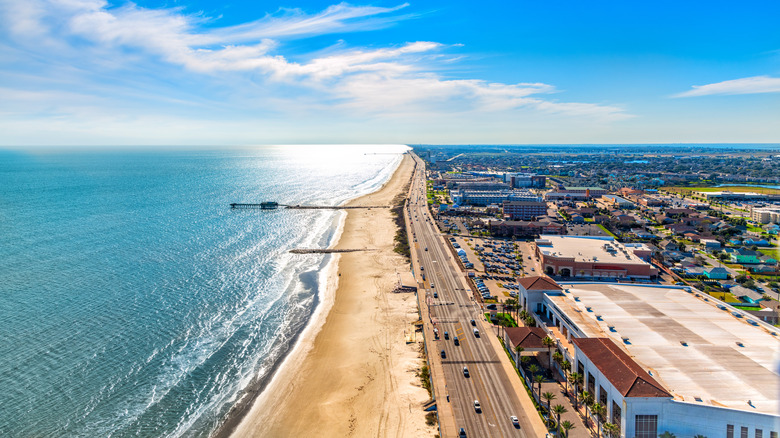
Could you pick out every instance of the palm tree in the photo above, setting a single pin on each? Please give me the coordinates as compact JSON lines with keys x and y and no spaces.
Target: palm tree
{"x":559,"y":410}
{"x":549,"y":343}
{"x":566,"y":426}
{"x":612,"y":430}
{"x":533,"y":369}
{"x":566,"y":365}
{"x":518,"y":350}
{"x":539,"y":379}
{"x":587,"y":401}
{"x":667,"y":434}
{"x":699,"y":436}
{"x":549,"y":396}
{"x":599,"y":411}
{"x":575,"y":379}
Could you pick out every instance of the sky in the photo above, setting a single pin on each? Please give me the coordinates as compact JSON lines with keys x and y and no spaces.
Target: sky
{"x":233,"y":72}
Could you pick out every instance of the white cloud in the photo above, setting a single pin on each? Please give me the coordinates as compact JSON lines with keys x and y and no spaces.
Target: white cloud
{"x":751,"y":85}
{"x":108,"y":46}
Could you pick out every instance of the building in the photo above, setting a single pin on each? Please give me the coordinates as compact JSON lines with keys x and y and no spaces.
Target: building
{"x":663,"y":358}
{"x":710,"y":244}
{"x":593,"y":257}
{"x":482,"y":186}
{"x":485,"y":198}
{"x":524,"y":210}
{"x":528,"y":180}
{"x":616,"y":202}
{"x":590,"y":192}
{"x":732,"y":196}
{"x":525,"y":228}
{"x":766,"y":216}
{"x":716,"y":273}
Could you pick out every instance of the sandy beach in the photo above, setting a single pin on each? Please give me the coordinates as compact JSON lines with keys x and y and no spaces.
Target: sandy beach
{"x":356,"y":375}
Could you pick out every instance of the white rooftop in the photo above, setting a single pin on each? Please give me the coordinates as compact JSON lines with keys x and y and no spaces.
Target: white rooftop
{"x":727,"y":361}
{"x":589,"y":249}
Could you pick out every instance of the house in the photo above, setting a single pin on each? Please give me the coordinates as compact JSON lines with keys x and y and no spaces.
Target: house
{"x":756,"y":242}
{"x":743,"y":256}
{"x":693,"y":237}
{"x":716,"y":273}
{"x":745,"y":294}
{"x":529,"y":338}
{"x":669,"y":245}
{"x":710,"y":244}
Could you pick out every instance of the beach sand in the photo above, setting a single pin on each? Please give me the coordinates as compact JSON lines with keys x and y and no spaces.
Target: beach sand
{"x":356,"y":376}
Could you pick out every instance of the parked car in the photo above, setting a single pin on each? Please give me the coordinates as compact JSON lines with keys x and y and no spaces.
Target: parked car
{"x":443,"y":354}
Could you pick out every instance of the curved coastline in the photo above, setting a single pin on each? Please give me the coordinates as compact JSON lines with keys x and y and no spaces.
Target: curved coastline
{"x":259,"y":393}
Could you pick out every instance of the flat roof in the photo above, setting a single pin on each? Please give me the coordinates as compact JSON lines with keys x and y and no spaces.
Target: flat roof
{"x":589,"y":249}
{"x":726,"y":362}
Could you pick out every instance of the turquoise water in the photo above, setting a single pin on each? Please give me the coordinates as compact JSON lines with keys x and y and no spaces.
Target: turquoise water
{"x":134,"y":302}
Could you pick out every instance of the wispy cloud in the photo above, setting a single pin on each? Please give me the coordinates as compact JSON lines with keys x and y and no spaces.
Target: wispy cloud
{"x":98,"y":46}
{"x":751,"y":85}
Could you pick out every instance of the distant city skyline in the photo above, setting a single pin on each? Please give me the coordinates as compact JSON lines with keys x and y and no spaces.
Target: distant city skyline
{"x":201,"y":72}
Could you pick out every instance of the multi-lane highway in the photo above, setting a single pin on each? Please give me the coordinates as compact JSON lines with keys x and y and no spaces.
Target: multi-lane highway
{"x":452,"y":309}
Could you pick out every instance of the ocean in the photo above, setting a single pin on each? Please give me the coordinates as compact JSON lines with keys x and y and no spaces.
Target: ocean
{"x":135,"y":302}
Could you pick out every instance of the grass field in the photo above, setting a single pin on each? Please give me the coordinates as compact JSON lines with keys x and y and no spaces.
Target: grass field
{"x":735,"y":189}
{"x":725,"y":296}
{"x":607,"y":231}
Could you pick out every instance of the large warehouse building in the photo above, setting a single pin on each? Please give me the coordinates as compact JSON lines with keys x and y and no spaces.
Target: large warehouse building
{"x":664,"y":358}
{"x":593,"y":257}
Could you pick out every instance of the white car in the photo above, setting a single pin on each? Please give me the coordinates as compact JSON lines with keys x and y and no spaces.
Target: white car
{"x":477,"y":407}
{"x":515,"y":421}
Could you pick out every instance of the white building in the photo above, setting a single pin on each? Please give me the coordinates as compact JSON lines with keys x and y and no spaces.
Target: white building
{"x":660,"y":358}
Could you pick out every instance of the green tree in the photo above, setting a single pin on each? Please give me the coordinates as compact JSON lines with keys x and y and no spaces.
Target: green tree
{"x":539,"y":379}
{"x":559,"y":410}
{"x":549,"y":343}
{"x":600,"y":412}
{"x":519,"y":350}
{"x":575,"y":379}
{"x":587,"y":401}
{"x":667,"y":434}
{"x":549,"y":396}
{"x":611,"y":430}
{"x":567,"y":426}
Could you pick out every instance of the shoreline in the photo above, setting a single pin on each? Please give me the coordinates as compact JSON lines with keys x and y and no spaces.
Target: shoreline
{"x":251,"y":409}
{"x":354,"y":359}
{"x":258,"y":390}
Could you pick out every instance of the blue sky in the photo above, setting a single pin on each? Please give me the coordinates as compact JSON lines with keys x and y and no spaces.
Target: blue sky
{"x":93,"y":72}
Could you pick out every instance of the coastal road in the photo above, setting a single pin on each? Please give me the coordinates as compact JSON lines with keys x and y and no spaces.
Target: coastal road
{"x":452,"y":309}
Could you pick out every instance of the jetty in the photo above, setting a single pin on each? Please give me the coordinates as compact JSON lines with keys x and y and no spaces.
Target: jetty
{"x":325,"y":251}
{"x":274,"y":205}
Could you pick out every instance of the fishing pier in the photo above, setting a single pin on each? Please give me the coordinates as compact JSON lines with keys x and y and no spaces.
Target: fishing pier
{"x":275,"y":205}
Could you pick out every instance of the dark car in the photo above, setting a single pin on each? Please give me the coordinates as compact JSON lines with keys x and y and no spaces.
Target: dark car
{"x":462,"y":433}
{"x":446,"y":335}
{"x":465,"y":372}
{"x":443,"y":354}
{"x":474,"y":323}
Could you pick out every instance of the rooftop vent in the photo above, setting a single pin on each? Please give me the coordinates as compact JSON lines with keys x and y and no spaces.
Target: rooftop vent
{"x":740,"y":344}
{"x":698,"y":399}
{"x":576,"y":298}
{"x":626,"y":340}
{"x":612,"y":328}
{"x":598,"y":317}
{"x":588,"y":309}
{"x":683,"y":343}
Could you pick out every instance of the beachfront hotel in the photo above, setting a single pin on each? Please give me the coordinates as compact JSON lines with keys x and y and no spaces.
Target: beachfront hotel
{"x":593,"y":257}
{"x":663,"y":358}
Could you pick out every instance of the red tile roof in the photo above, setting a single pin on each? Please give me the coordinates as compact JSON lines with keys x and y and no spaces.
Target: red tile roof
{"x":526,"y":337}
{"x":539,"y":283}
{"x":624,"y":373}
